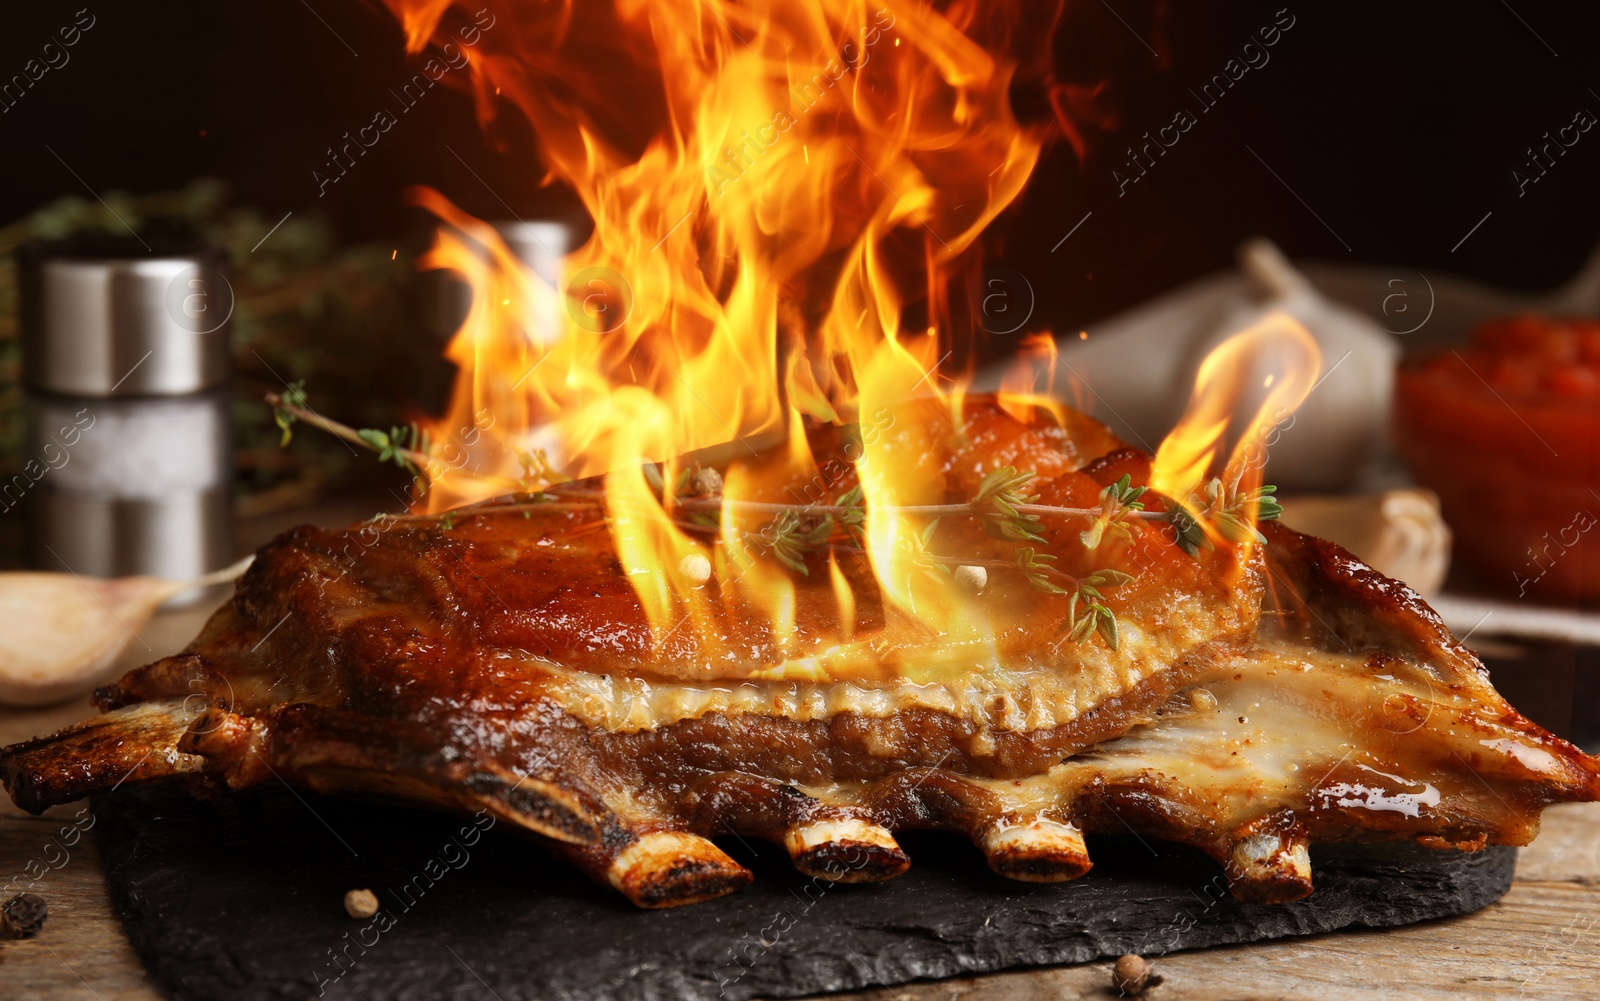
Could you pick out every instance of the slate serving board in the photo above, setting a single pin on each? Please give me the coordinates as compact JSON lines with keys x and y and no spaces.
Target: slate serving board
{"x":241,"y":898}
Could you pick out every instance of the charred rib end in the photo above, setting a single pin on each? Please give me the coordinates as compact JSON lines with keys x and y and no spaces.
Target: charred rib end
{"x":131,"y":744}
{"x":673,"y":868}
{"x":845,"y":850}
{"x":1269,"y":865}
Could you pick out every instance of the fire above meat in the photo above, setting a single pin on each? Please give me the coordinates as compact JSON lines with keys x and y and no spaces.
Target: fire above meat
{"x":787,"y":199}
{"x":776,"y":188}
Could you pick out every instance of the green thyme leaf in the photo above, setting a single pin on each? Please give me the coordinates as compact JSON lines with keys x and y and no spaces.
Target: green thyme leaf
{"x":1095,"y":615}
{"x":1106,"y":625}
{"x":1119,"y":502}
{"x":652,"y":476}
{"x":788,"y":540}
{"x":378,"y":440}
{"x":1000,"y":490}
{"x":853,"y":519}
{"x":293,"y":396}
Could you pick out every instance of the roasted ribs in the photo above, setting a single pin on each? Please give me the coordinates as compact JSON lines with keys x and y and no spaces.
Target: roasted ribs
{"x":1260,"y":698}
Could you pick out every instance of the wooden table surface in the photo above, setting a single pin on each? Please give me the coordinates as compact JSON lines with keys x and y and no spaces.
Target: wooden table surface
{"x":1540,"y":941}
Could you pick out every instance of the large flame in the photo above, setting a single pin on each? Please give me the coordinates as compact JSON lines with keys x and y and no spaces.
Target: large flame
{"x":774,"y":185}
{"x":786,"y":198}
{"x":771,"y":184}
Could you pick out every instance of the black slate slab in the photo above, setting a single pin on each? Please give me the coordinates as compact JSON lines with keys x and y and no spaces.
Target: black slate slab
{"x":241,"y":898}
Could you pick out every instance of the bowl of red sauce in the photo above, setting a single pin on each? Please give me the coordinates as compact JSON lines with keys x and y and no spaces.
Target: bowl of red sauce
{"x":1506,"y":430}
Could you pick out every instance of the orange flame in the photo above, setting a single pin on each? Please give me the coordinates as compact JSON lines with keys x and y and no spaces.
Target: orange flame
{"x":775,"y":187}
{"x":1031,"y":380}
{"x":771,"y":184}
{"x":1245,"y":388}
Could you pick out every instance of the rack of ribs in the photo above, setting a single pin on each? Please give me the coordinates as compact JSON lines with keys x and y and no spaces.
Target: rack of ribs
{"x":1259,"y":698}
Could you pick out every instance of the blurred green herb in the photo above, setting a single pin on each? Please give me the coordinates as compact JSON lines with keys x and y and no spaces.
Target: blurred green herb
{"x":305,"y":308}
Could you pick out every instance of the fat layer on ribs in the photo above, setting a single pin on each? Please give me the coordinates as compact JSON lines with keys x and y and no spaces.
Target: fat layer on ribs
{"x":1260,"y":698}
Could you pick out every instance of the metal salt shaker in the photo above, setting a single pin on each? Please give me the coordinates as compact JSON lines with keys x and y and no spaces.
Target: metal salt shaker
{"x":128,"y":464}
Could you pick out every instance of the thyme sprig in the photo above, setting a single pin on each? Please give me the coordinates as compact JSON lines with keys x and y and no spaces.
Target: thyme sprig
{"x":1119,"y":501}
{"x":1229,"y":511}
{"x":789,"y":539}
{"x":285,"y":412}
{"x":1095,"y":615}
{"x":999,"y":501}
{"x":290,"y":406}
{"x":402,"y":445}
{"x":852,"y":512}
{"x":1035,"y":569}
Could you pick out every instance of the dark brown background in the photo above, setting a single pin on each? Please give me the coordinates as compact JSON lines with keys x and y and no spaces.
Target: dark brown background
{"x":1398,"y":124}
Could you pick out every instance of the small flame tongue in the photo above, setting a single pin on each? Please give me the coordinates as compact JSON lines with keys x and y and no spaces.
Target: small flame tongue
{"x":1247,"y":387}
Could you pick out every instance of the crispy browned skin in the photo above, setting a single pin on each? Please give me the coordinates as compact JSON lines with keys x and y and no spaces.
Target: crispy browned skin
{"x":505,"y":663}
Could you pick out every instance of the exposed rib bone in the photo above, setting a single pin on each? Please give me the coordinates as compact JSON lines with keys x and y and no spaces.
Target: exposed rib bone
{"x":134,"y":744}
{"x":670,"y":868}
{"x":1036,"y":850}
{"x":1269,"y":863}
{"x":846,"y":849}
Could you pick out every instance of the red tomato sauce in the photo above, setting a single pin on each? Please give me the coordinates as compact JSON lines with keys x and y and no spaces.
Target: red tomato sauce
{"x":1507,"y":431}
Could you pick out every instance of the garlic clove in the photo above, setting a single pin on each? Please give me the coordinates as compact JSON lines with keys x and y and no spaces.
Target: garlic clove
{"x":61,"y":632}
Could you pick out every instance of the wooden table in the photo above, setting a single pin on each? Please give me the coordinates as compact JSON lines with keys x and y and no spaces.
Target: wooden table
{"x":1540,"y":941}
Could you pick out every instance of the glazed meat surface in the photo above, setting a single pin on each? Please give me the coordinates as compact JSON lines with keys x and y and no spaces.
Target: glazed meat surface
{"x":1258,"y":698}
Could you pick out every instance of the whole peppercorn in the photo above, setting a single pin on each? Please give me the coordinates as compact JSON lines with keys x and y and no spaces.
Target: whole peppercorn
{"x":23,"y":915}
{"x":707,"y":482}
{"x":972,"y":579}
{"x":1132,"y":975}
{"x":695,"y":569}
{"x":360,"y":903}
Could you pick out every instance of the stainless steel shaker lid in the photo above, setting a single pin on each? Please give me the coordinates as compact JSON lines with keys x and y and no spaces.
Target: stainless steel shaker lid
{"x":103,"y":319}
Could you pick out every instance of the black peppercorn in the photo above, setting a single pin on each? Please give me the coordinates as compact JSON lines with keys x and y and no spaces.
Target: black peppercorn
{"x":23,"y":915}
